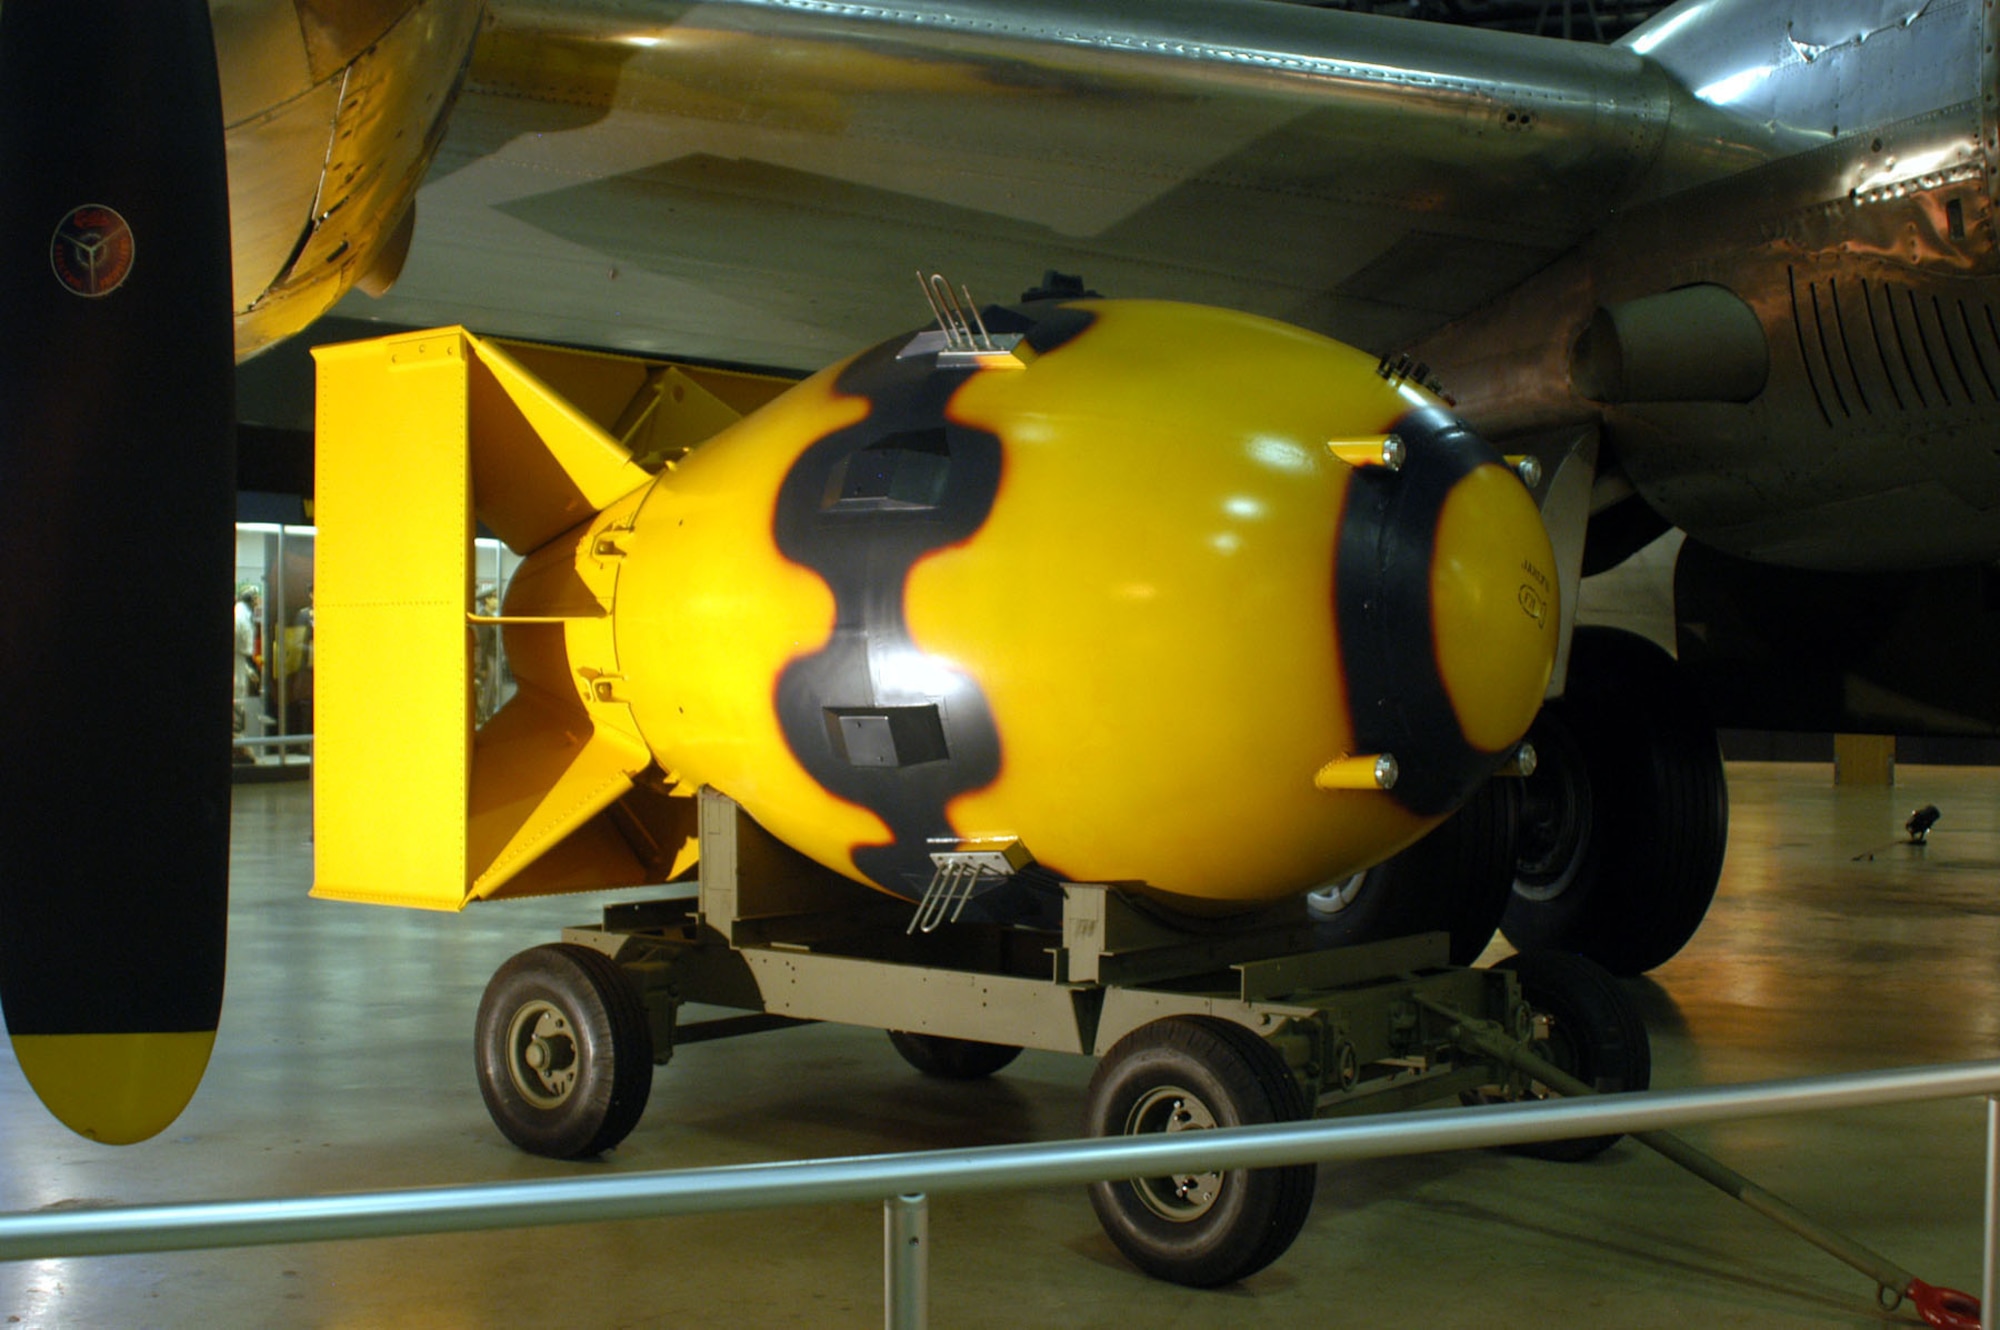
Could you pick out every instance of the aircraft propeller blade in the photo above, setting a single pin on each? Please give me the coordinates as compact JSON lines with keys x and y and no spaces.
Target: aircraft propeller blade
{"x":117,"y":486}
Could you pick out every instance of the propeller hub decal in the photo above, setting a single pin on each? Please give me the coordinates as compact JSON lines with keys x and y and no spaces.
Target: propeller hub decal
{"x":91,"y":251}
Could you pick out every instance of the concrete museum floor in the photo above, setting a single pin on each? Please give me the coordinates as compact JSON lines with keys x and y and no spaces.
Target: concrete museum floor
{"x":344,"y":1063}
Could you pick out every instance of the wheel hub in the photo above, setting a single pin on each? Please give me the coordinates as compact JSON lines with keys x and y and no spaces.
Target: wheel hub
{"x":1555,"y":818}
{"x":542,"y":1054}
{"x":1180,"y":1197}
{"x":1546,"y":1037}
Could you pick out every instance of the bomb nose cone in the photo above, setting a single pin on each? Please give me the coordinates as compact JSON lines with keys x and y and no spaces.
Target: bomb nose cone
{"x":1448,"y":612}
{"x":1493,"y":606}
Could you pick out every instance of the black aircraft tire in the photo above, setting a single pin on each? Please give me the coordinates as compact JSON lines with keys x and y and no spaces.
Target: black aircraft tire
{"x":1593,"y":1032}
{"x":1625,"y":820}
{"x":952,"y":1059}
{"x":1186,"y":1073}
{"x":565,"y":1052}
{"x":1458,"y":878}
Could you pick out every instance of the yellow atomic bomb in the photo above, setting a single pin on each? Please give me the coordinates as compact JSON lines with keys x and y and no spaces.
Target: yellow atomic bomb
{"x":1181,"y":599}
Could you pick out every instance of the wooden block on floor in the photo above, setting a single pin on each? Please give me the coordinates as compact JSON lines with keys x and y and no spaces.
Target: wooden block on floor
{"x":1864,"y":759}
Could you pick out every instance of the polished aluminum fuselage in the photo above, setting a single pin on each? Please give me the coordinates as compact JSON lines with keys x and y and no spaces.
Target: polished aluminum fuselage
{"x":755,"y":181}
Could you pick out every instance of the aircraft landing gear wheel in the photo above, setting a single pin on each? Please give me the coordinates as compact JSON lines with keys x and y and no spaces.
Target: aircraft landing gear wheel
{"x":1624,"y":822}
{"x":1457,"y":878}
{"x":1585,"y":1025}
{"x":1190,"y":1073}
{"x":952,"y":1059}
{"x":565,"y":1053}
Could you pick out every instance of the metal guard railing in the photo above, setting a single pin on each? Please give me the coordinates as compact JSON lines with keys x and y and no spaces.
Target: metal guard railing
{"x":903,"y":1181}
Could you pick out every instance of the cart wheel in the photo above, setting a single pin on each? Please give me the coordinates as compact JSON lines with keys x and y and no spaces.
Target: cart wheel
{"x":1586,"y":1025}
{"x":952,"y":1059}
{"x":565,"y":1052}
{"x":1187,"y":1073}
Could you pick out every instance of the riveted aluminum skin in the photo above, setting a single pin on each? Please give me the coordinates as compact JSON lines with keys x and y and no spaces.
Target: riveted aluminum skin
{"x":750,"y":181}
{"x":332,"y":110}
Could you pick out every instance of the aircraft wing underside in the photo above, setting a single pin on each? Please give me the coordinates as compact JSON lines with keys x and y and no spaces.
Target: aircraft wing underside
{"x":756,"y":181}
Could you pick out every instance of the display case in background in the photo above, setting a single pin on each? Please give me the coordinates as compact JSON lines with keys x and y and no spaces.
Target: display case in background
{"x":273,"y":684}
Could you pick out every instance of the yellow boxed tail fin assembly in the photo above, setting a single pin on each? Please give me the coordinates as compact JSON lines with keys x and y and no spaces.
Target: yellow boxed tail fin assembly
{"x":420,"y":438}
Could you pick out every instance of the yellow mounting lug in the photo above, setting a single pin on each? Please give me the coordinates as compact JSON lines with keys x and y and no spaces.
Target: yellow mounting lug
{"x":1387,"y":451}
{"x":1378,"y":772}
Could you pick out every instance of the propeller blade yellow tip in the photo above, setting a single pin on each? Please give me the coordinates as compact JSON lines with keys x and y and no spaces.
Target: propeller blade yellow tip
{"x":115,"y":1088}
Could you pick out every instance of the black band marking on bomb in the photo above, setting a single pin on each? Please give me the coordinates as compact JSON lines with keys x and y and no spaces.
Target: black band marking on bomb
{"x":1044,"y":329}
{"x":1382,"y":604}
{"x":874,"y":720}
{"x":861,"y":507}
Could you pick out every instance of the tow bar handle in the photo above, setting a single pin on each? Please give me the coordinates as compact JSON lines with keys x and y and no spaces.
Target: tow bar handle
{"x":1945,"y":1308}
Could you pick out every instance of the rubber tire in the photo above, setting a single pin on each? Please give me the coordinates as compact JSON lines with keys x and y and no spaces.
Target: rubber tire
{"x":1648,"y":800}
{"x":952,"y":1059}
{"x":613,"y":1048}
{"x":1257,"y":1213}
{"x":1595,"y":1034}
{"x":1458,"y":878}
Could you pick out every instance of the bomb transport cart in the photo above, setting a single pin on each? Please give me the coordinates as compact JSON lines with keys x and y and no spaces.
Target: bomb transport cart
{"x":984,"y":615}
{"x":1191,"y":1030}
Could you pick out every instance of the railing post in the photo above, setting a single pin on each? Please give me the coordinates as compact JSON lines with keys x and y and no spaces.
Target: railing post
{"x":1987,"y":1317}
{"x":906,"y":1262}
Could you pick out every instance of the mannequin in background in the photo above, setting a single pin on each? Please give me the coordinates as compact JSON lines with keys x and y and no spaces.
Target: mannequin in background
{"x":249,"y":600}
{"x":299,"y":664}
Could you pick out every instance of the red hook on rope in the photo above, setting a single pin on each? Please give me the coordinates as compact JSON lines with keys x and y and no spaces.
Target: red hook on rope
{"x":1946,"y":1308}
